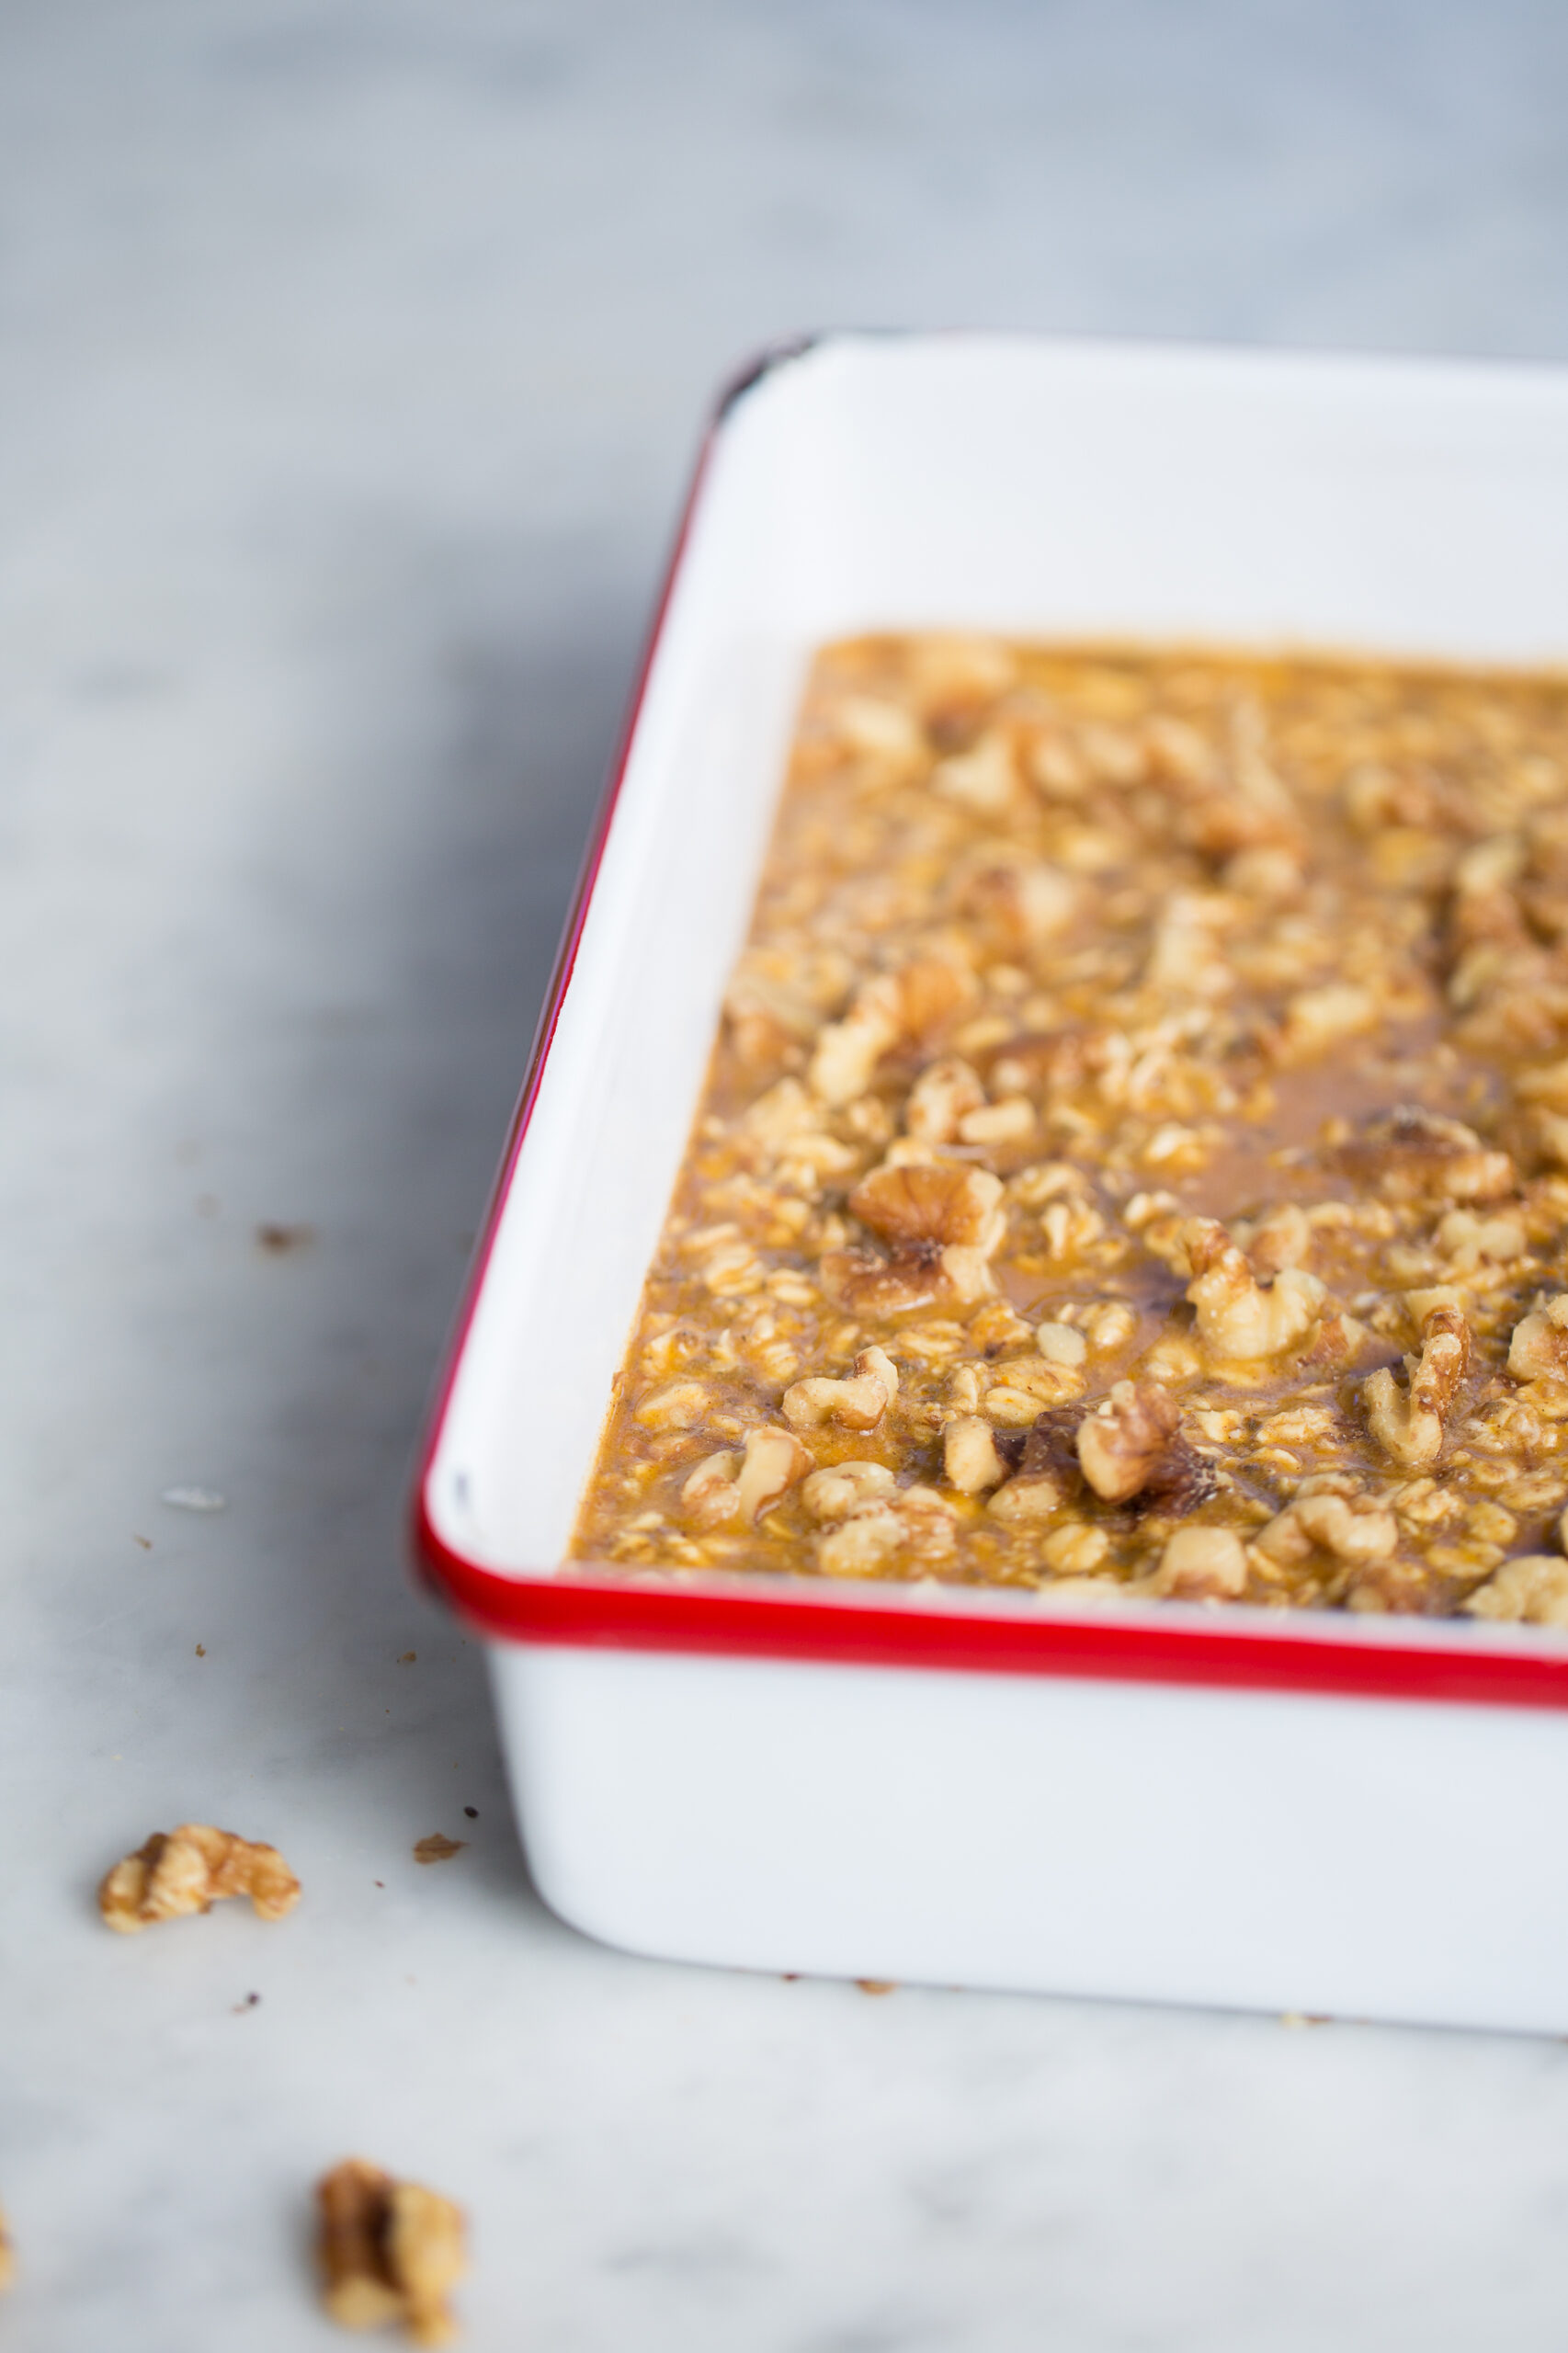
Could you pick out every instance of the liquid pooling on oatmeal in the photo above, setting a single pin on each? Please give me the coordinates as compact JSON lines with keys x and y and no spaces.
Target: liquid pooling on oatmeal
{"x":1135,"y":1160}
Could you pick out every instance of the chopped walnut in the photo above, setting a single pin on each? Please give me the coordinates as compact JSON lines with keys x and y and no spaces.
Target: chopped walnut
{"x":728,"y":1485}
{"x":1282,"y":1239}
{"x":390,"y":2251}
{"x":1410,"y":1426}
{"x":943,"y":1094}
{"x":1350,"y":1528}
{"x":1532,"y":1588}
{"x":942,"y":1203}
{"x":1412,"y":1154}
{"x":1125,"y":1439}
{"x":913,"y":1525}
{"x":1539,"y":1343}
{"x":1074,"y":1550}
{"x":1026,"y":1499}
{"x":859,"y":1404}
{"x":1201,"y":1564}
{"x":1237,"y":1317}
{"x":834,"y":1492}
{"x":969,"y":1456}
{"x":910,"y":1003}
{"x":189,"y":1869}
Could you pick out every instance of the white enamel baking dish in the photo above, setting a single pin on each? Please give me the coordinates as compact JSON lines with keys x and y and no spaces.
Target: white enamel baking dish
{"x":1324,"y":1814}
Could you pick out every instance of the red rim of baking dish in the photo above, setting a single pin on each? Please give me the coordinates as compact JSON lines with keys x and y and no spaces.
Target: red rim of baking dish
{"x":772,"y":1619}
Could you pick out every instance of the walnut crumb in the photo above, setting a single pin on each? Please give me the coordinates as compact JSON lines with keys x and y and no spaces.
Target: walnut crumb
{"x":391,"y":2251}
{"x":189,"y":1869}
{"x":437,"y":1847}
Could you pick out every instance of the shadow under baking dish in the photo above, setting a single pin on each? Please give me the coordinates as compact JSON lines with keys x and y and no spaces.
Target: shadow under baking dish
{"x":962,"y":1787}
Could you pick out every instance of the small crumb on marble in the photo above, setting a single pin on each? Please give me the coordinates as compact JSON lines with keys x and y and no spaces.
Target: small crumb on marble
{"x":1303,"y":2017}
{"x":279,"y":1238}
{"x":248,"y":2003}
{"x":471,"y":1811}
{"x":877,"y":1984}
{"x":193,"y":1499}
{"x":437,"y":1849}
{"x":145,"y":1541}
{"x":7,"y":2255}
{"x":407,"y":1658}
{"x":201,"y":1650}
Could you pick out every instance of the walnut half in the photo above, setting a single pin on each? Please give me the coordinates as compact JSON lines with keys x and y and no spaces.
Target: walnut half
{"x":189,"y":1870}
{"x":390,"y":2251}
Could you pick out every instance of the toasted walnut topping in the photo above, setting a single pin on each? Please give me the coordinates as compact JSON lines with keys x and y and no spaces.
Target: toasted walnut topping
{"x":983,"y":779}
{"x":390,"y":2251}
{"x":1282,"y":1239}
{"x":912,"y":1003}
{"x":941,"y":1203}
{"x":861,"y":1283}
{"x":1412,"y":1154}
{"x":859,"y":1404}
{"x":1532,"y":1587}
{"x":969,"y":1456}
{"x":1237,"y":1317}
{"x":1201,"y":1564}
{"x":1410,"y":1426}
{"x":1129,"y":1434}
{"x":709,"y":1493}
{"x":911,"y":1525}
{"x":1467,"y":1241}
{"x":1540,"y":1342}
{"x":189,"y":1869}
{"x":942,"y":1095}
{"x":1074,"y":1550}
{"x":1351,"y":1528}
{"x":677,"y":1405}
{"x":1025,"y":1499}
{"x":834,"y":1494}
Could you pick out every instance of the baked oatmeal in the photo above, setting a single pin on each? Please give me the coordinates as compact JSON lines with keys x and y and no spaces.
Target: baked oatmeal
{"x":1135,"y":1158}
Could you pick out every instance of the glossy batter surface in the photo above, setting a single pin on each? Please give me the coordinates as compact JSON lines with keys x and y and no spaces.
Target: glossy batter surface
{"x":1133,"y":1160}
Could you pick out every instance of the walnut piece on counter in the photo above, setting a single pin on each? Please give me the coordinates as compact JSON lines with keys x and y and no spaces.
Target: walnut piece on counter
{"x":189,"y":1869}
{"x":391,"y":2251}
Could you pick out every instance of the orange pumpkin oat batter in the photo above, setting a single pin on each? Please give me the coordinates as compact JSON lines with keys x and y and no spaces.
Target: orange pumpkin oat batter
{"x":1135,"y":1159}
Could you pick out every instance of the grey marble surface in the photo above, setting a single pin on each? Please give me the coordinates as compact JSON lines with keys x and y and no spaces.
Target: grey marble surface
{"x":352,"y":357}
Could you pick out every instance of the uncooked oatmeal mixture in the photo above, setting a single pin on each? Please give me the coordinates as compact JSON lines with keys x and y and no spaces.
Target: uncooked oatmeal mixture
{"x":1135,"y":1160}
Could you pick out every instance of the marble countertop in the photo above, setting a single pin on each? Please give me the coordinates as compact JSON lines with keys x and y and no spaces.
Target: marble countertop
{"x":351,"y":364}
